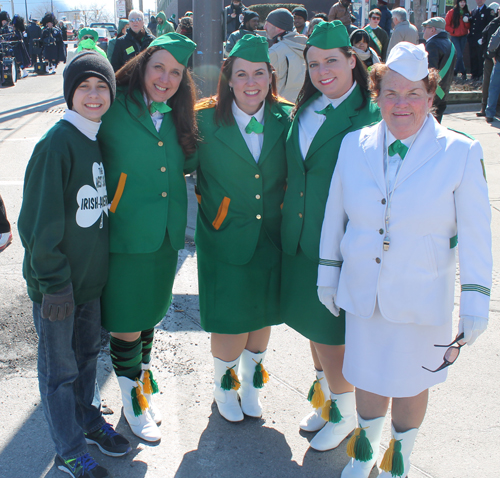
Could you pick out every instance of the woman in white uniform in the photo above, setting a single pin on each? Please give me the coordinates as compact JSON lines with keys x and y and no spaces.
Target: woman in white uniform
{"x":402,"y":192}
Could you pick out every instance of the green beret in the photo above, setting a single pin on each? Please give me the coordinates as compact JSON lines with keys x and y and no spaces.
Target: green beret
{"x":252,"y":48}
{"x":328,"y":35}
{"x":88,"y":31}
{"x":180,"y":46}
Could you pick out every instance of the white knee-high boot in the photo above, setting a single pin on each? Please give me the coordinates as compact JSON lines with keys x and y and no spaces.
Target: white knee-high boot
{"x":253,"y":377}
{"x":226,"y":383}
{"x":363,"y":454}
{"x":396,"y":461}
{"x":150,"y":388}
{"x":341,"y":414}
{"x":314,"y":422}
{"x":136,"y":411}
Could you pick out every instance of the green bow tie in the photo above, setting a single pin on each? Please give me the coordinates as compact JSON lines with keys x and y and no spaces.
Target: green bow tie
{"x":398,"y":148}
{"x":254,"y":127}
{"x":160,"y":107}
{"x":324,"y":111}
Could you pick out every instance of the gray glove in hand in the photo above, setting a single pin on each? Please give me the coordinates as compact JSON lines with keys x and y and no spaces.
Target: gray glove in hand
{"x":58,"y":306}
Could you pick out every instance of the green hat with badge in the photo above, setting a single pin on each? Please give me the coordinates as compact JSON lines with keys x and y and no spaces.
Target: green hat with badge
{"x":252,"y":48}
{"x":88,"y":31}
{"x":328,"y":35}
{"x":180,"y":46}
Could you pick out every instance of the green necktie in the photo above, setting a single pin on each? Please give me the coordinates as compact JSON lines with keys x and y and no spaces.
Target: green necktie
{"x":398,"y":148}
{"x":254,"y":127}
{"x":160,"y":107}
{"x":324,"y":111}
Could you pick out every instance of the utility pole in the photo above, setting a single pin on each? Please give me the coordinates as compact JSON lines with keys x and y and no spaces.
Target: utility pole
{"x":128,"y":7}
{"x":207,"y":34}
{"x":26,"y":5}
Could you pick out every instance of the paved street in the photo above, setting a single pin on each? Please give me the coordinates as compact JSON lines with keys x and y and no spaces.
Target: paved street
{"x":459,"y":438}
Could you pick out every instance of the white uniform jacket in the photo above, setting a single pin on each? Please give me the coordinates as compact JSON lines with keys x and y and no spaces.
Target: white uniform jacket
{"x":440,"y":192}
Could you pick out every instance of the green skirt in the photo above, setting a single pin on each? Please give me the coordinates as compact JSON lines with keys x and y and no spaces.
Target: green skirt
{"x":139,"y":289}
{"x":300,"y":306}
{"x":235,"y":299}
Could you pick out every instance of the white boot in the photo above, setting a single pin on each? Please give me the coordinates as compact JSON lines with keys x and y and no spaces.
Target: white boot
{"x":313,"y":422}
{"x":24,"y":72}
{"x":401,"y":443}
{"x":361,"y":469}
{"x":332,"y":434}
{"x":227,"y":400}
{"x":142,"y":425}
{"x":253,"y":376}
{"x":153,"y":409}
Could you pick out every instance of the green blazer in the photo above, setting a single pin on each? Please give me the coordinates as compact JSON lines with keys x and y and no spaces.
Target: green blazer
{"x":145,"y":179}
{"x":309,"y":179}
{"x":239,"y":197}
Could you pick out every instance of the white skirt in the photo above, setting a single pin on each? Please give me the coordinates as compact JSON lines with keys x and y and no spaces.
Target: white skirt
{"x":386,"y":358}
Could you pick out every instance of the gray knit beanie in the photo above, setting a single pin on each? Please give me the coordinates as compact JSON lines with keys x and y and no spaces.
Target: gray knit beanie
{"x":281,"y":18}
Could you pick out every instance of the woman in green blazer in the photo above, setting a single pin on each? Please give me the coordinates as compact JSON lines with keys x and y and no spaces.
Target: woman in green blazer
{"x":334,"y":100}
{"x":241,"y":169}
{"x":144,"y":140}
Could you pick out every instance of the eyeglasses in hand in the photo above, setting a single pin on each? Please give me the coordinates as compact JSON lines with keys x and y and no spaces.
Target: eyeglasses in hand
{"x":450,"y":355}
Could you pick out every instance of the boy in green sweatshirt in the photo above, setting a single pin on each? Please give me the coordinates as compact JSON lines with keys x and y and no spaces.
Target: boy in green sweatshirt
{"x":63,"y":226}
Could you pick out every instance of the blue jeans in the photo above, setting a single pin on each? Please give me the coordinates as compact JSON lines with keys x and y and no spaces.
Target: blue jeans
{"x":459,"y":44}
{"x":67,"y":362}
{"x":494,"y":91}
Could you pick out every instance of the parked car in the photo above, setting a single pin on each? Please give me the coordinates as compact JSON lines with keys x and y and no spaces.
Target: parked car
{"x":104,"y":37}
{"x":111,"y":27}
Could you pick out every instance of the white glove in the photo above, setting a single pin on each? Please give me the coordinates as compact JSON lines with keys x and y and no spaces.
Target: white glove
{"x":480,"y":41}
{"x":326,"y":296}
{"x":472,"y":327}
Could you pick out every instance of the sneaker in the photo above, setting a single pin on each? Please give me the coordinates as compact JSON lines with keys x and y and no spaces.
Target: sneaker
{"x":109,"y":442}
{"x":5,"y":240}
{"x":83,"y":467}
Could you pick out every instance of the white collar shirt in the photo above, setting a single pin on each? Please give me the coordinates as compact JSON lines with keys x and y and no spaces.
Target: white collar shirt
{"x":156,"y":117}
{"x":393,"y":163}
{"x":310,"y":122}
{"x":254,"y":141}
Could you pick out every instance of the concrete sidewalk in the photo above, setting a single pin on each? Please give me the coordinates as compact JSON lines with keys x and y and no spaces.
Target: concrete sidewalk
{"x":459,"y":438}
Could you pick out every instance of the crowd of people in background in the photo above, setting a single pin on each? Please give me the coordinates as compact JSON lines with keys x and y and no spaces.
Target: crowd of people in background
{"x":287,"y":33}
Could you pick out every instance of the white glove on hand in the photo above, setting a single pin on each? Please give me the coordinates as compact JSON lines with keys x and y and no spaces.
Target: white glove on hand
{"x":472,"y":327}
{"x":326,"y":296}
{"x":480,"y":41}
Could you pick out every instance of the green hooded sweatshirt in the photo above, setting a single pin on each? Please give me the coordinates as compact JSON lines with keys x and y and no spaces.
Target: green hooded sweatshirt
{"x":111,"y":45}
{"x":165,"y":27}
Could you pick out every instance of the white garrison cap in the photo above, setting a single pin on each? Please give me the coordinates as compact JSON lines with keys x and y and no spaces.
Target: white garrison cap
{"x":409,"y":60}
{"x":494,"y":6}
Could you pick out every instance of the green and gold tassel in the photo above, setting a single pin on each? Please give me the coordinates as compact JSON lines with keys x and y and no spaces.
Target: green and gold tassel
{"x":260,"y":376}
{"x":331,"y":412}
{"x":393,"y":460}
{"x":230,"y":380}
{"x":359,"y":447}
{"x":150,"y":384}
{"x":316,"y":395}
{"x":139,"y":402}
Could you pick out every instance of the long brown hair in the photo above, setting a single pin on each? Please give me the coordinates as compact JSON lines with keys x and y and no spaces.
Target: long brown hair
{"x":456,"y":13}
{"x":359,"y":75}
{"x":182,"y":102}
{"x":225,"y":95}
